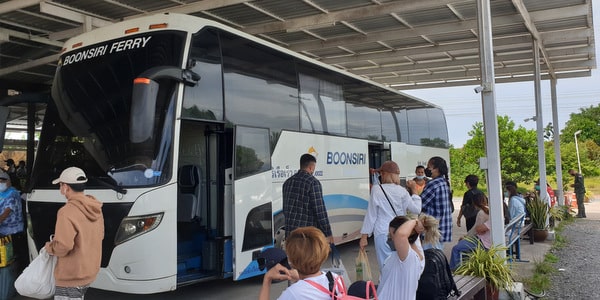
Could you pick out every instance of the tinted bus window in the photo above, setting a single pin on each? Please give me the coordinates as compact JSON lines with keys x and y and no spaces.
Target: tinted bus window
{"x":322,"y":106}
{"x":260,"y":85}
{"x":389,"y":127}
{"x":252,"y":152}
{"x":438,"y":133}
{"x":401,"y":118}
{"x":418,"y":127}
{"x":364,"y":122}
{"x":205,"y":99}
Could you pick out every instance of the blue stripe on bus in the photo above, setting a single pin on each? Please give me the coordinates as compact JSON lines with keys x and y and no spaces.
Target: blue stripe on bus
{"x":340,"y":201}
{"x":337,"y":201}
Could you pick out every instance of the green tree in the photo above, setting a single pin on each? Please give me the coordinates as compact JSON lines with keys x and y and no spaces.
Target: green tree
{"x":587,"y":120}
{"x":518,"y":151}
{"x":460,"y":167}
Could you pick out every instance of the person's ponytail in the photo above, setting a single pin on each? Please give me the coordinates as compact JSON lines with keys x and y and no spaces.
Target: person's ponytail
{"x":431,"y":225}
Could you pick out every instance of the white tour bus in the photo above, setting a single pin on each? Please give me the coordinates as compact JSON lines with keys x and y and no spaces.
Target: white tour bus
{"x":187,"y":130}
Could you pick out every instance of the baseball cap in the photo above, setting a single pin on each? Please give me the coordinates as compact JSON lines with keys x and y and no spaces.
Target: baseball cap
{"x":270,"y":257}
{"x":389,"y":167}
{"x":71,"y":175}
{"x":4,"y":175}
{"x":359,"y":289}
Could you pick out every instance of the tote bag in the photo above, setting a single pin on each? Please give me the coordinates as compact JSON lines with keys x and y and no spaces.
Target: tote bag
{"x":37,"y":280}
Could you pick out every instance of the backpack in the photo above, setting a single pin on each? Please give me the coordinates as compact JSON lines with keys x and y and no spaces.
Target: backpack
{"x":337,"y":289}
{"x":436,"y":282}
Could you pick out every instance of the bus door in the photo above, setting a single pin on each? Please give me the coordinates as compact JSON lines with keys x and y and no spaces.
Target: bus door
{"x":377,"y":155}
{"x":252,"y":199}
{"x":200,"y":238}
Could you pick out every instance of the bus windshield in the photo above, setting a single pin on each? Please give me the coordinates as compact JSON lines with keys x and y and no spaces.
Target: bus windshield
{"x":92,"y":92}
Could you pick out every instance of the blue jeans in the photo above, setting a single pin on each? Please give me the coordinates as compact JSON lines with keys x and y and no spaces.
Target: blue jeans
{"x":463,"y":246}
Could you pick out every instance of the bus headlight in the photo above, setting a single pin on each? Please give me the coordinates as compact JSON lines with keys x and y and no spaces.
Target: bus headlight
{"x":135,"y":226}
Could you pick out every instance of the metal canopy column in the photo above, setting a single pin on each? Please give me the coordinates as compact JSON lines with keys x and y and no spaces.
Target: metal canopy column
{"x":556,"y":135}
{"x":539,"y":120}
{"x":490,"y":122}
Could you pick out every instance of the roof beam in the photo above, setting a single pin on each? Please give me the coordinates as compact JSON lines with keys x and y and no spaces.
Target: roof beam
{"x":459,"y":62}
{"x":17,"y":4}
{"x":477,"y":81}
{"x":70,"y":14}
{"x":500,"y":71}
{"x":192,"y":7}
{"x":425,"y":50}
{"x":534,"y":32}
{"x":129,"y":7}
{"x":423,"y":30}
{"x":30,"y":64}
{"x":28,"y":37}
{"x":298,"y":24}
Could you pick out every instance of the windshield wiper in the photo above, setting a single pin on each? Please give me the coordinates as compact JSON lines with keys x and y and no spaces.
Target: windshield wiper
{"x":109,"y":183}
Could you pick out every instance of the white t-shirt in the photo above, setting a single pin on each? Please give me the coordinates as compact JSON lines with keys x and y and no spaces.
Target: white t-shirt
{"x":303,"y":290}
{"x":380,"y":213}
{"x":400,"y":279}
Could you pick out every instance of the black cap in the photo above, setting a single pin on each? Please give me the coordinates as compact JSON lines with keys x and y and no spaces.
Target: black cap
{"x":270,"y":257}
{"x":359,"y":289}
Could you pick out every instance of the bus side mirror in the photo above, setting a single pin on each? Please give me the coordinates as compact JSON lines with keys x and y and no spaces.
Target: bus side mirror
{"x":4,"y":112}
{"x":144,"y":98}
{"x":143,"y":106}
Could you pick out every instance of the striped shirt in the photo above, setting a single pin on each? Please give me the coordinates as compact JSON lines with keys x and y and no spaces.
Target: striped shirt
{"x":303,"y":203}
{"x":436,"y":203}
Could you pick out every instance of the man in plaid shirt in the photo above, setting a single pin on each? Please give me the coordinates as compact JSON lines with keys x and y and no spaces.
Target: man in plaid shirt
{"x":303,"y":203}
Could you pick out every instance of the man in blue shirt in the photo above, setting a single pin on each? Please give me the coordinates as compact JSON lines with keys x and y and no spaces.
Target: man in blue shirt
{"x":11,"y":219}
{"x":516,"y":203}
{"x":303,"y":203}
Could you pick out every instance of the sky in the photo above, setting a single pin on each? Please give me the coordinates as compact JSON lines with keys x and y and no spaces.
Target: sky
{"x":463,"y":108}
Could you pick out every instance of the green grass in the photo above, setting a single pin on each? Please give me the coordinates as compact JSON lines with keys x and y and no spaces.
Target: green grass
{"x":541,"y":281}
{"x":592,"y":185}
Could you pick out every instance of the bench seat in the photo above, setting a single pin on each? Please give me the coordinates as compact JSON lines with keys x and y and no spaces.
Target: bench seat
{"x":512,"y":232}
{"x":470,"y":287}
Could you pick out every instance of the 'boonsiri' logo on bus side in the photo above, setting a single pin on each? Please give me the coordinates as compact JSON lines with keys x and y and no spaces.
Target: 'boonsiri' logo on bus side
{"x":346,"y":158}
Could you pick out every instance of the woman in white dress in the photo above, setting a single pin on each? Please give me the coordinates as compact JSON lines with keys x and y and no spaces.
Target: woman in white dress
{"x":388,"y":200}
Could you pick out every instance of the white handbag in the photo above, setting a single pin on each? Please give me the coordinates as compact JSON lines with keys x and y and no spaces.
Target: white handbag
{"x":37,"y":280}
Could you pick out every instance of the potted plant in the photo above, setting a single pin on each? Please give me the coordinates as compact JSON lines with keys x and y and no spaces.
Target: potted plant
{"x":538,"y":212}
{"x":487,"y":263}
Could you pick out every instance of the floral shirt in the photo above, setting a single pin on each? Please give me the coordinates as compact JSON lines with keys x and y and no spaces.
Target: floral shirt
{"x":11,"y":199}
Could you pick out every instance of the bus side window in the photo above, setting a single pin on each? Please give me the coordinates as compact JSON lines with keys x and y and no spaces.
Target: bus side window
{"x":205,"y":99}
{"x":252,"y":151}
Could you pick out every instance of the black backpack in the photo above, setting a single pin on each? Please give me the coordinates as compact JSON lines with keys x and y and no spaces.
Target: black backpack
{"x":436,"y":282}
